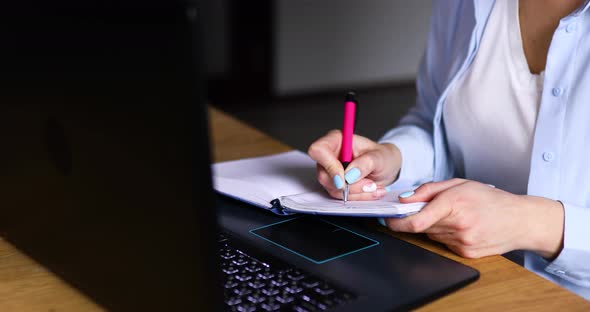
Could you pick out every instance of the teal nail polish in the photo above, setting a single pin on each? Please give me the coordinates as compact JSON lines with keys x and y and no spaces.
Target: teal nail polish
{"x":406,"y":194}
{"x":338,"y":182}
{"x":352,"y":175}
{"x":382,"y":221}
{"x":388,"y":188}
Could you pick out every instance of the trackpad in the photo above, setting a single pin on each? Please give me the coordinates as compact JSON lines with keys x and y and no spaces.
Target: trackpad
{"x":314,"y":239}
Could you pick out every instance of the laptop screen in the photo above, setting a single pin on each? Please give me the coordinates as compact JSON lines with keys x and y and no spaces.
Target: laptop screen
{"x":104,"y":139}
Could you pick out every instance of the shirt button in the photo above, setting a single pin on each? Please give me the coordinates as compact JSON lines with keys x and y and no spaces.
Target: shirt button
{"x":548,"y":156}
{"x":556,"y":91}
{"x":570,"y":28}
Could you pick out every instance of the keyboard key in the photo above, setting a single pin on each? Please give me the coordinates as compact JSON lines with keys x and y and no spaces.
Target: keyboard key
{"x":342,"y":297}
{"x":244,"y":276}
{"x":320,"y":301}
{"x":309,"y":298}
{"x":284,"y":271}
{"x":271,"y":290}
{"x":324,"y":289}
{"x":285,"y":297}
{"x":254,"y":267}
{"x":230,"y":270}
{"x":231,"y":282}
{"x":246,"y":308}
{"x":296,"y":275}
{"x":230,"y":285}
{"x":232,"y":301}
{"x":221,"y":238}
{"x":271,"y":305}
{"x":240,"y":260}
{"x":309,"y":283}
{"x":266,"y":274}
{"x":293,"y":288}
{"x":242,"y":291}
{"x":326,"y":303}
{"x":227,"y":255}
{"x":257,"y":284}
{"x":256,"y":297}
{"x":304,"y":306}
{"x":280,"y":281}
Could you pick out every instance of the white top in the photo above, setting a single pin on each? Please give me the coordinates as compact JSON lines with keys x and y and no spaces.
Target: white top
{"x":490,"y":112}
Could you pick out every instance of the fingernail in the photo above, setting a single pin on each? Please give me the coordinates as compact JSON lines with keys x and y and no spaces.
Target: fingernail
{"x":388,"y":188}
{"x":352,"y":175}
{"x":370,"y":188}
{"x":382,"y":221}
{"x":406,"y":194}
{"x":338,"y":182}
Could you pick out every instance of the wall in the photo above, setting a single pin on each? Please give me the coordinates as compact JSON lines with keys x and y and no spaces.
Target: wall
{"x":347,"y":43}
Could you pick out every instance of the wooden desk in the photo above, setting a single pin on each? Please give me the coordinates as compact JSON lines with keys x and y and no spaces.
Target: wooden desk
{"x":503,"y":285}
{"x":27,"y":286}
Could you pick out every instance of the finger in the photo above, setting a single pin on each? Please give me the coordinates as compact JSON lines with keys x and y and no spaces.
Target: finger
{"x":474,"y":253}
{"x":332,"y":139}
{"x":433,"y":212}
{"x":361,"y":167}
{"x":363,"y":186}
{"x":451,"y":223}
{"x":445,"y":238}
{"x":463,"y":250}
{"x":325,"y":152}
{"x":324,"y":179}
{"x":426,"y":192}
{"x":438,"y":229}
{"x":452,"y":244}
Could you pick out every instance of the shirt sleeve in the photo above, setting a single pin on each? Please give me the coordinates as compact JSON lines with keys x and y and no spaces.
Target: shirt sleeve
{"x":414,"y":134}
{"x":573,"y":262}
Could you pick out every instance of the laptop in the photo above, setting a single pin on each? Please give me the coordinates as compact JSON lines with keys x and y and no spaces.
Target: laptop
{"x":106,"y":179}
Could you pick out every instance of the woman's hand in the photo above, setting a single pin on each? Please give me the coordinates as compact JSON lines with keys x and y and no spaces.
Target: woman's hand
{"x":373,"y":167}
{"x":475,"y":220}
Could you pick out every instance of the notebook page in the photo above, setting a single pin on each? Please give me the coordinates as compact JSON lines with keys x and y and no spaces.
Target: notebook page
{"x":322,"y":203}
{"x":262,"y":179}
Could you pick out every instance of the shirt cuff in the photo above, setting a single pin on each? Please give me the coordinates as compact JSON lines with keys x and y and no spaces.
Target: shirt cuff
{"x":573,"y":262}
{"x":417,"y":152}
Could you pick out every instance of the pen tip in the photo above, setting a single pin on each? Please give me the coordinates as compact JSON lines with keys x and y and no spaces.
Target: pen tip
{"x":345,"y":193}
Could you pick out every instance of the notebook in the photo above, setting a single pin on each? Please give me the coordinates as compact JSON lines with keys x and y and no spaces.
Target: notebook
{"x":286,"y":184}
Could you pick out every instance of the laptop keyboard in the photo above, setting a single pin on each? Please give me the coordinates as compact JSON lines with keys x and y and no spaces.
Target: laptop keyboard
{"x":263,"y":283}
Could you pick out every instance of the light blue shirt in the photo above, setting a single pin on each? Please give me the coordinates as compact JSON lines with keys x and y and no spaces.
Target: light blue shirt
{"x":560,"y":159}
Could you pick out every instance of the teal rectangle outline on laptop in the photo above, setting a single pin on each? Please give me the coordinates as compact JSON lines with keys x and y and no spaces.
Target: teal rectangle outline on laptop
{"x":375,"y":243}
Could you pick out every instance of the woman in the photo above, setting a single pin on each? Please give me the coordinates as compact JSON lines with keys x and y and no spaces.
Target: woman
{"x":503,"y":99}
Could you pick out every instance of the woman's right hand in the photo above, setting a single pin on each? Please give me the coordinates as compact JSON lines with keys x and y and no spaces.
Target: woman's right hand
{"x":373,"y":167}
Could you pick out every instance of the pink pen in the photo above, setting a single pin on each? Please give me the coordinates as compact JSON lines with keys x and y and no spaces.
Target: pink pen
{"x":348,"y":126}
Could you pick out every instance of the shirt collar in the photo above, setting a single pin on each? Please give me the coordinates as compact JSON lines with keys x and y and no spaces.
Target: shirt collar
{"x":581,"y":9}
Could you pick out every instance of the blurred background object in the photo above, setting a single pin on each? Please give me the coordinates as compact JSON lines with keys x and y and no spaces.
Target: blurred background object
{"x":285,"y":66}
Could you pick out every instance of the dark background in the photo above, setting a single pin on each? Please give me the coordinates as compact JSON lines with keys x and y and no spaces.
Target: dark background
{"x":284,"y":66}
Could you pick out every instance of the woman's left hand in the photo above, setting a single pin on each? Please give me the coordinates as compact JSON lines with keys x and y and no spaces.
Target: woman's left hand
{"x":475,"y":220}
